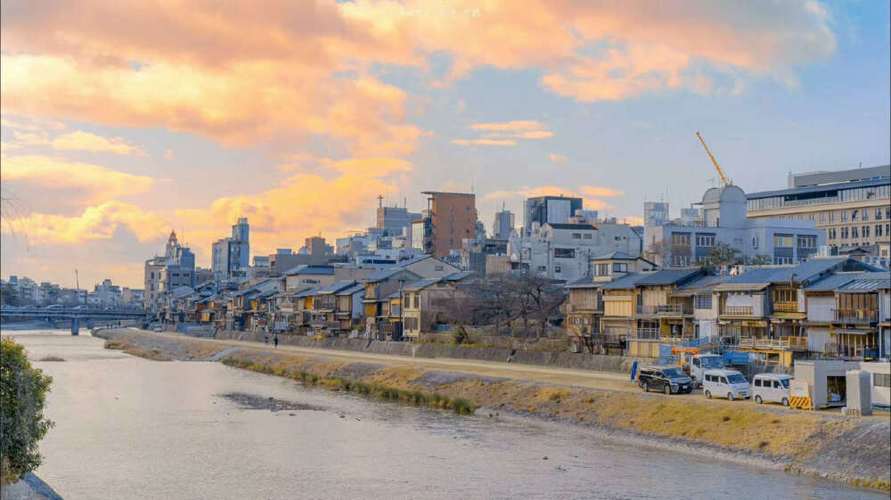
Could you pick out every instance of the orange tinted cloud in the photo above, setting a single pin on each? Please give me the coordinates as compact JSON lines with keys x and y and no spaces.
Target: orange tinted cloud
{"x":506,"y":133}
{"x":80,"y":183}
{"x":99,"y":222}
{"x":301,"y":205}
{"x":86,"y":141}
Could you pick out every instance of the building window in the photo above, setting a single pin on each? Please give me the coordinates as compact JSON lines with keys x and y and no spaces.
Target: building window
{"x":844,"y":233}
{"x":881,"y":379}
{"x":854,"y":214}
{"x":705,"y":240}
{"x":620,"y":267}
{"x":576,"y":236}
{"x":755,"y":242}
{"x":831,"y":233}
{"x":564,"y":253}
{"x":865,"y":230}
{"x":557,"y":269}
{"x":807,"y":241}
{"x":878,"y":230}
{"x":783,"y":241}
{"x":844,"y":216}
{"x":680,"y":239}
{"x":680,"y":260}
{"x":438,"y":268}
{"x":855,"y":233}
{"x":542,"y":268}
{"x":588,"y":236}
{"x":602,"y":269}
{"x":878,"y":213}
{"x":782,"y":260}
{"x":702,"y":301}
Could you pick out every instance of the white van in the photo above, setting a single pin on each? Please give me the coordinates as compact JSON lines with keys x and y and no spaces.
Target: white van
{"x":729,"y":384}
{"x":771,"y":387}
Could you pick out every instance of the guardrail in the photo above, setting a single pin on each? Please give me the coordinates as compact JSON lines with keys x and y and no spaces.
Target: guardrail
{"x":664,"y":309}
{"x":779,"y":343}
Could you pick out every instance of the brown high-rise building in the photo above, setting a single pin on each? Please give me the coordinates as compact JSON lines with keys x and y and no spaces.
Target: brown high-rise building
{"x":450,"y":219}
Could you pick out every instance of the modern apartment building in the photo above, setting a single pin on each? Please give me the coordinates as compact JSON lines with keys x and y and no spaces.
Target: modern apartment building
{"x":853,"y":207}
{"x":165,"y":273}
{"x":230,"y":256}
{"x":395,"y":220}
{"x":503,"y":225}
{"x":549,"y":210}
{"x":768,"y":240}
{"x":450,"y":219}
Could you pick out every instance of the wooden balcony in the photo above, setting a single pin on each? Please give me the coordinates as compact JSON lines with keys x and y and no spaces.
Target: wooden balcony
{"x":785,"y":307}
{"x":774,"y":344}
{"x":856,"y":316}
{"x":745,"y":311}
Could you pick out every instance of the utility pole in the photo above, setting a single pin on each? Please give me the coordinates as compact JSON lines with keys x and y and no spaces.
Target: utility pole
{"x":77,"y":286}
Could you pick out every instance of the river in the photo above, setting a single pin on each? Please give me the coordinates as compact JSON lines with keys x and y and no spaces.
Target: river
{"x":132,"y":428}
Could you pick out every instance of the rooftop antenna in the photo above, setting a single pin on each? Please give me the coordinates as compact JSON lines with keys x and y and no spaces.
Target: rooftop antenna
{"x":380,"y":201}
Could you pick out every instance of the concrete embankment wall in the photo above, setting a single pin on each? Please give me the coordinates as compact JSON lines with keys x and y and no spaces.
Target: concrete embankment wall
{"x":581,"y":361}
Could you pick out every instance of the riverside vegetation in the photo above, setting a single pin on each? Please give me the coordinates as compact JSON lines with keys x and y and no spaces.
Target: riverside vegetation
{"x":23,"y":390}
{"x":854,"y":451}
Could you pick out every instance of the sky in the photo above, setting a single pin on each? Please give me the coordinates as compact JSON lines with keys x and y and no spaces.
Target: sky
{"x":122,"y":121}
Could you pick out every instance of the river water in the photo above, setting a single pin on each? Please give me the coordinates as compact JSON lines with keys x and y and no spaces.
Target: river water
{"x":132,"y":428}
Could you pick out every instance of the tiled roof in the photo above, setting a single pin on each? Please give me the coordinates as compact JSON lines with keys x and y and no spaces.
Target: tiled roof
{"x":583,"y":283}
{"x":460,"y":275}
{"x":581,"y":227}
{"x":868,"y":282}
{"x":614,"y":256}
{"x":625,"y":282}
{"x":358,"y":287}
{"x":308,"y":269}
{"x":336,"y":287}
{"x":670,"y":276}
{"x":421,"y":284}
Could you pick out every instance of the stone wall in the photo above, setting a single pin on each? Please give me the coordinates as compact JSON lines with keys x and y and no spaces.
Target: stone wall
{"x":565,"y":359}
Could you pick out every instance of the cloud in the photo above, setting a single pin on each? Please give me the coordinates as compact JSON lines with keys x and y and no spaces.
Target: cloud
{"x":86,"y":141}
{"x":484,"y":142}
{"x":301,"y":204}
{"x":505,"y":133}
{"x":60,"y":182}
{"x":598,"y":50}
{"x":557,"y":158}
{"x":101,"y":222}
{"x":510,"y":126}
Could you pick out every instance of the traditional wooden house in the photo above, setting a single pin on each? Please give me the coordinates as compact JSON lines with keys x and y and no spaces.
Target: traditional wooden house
{"x":379,"y":286}
{"x":763,"y":310}
{"x":428,"y":302}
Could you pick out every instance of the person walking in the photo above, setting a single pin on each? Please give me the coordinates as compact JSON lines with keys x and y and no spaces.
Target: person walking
{"x":275,"y":340}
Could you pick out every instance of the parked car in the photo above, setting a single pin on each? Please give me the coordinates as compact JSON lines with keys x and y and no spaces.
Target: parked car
{"x":667,"y":379}
{"x":771,"y":387}
{"x":730,"y":384}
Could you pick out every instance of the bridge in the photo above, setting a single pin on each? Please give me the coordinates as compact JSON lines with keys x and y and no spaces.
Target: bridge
{"x":73,"y":314}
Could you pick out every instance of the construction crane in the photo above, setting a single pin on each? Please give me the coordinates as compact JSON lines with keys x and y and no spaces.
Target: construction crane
{"x":725,"y":181}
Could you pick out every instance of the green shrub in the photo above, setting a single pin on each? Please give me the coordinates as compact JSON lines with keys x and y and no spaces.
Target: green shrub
{"x":22,"y":396}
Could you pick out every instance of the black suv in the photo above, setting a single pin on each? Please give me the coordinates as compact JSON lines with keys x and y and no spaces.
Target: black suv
{"x":667,"y":379}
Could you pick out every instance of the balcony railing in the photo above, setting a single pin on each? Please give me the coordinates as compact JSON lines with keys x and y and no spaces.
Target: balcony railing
{"x":737,"y":311}
{"x":646,"y":333}
{"x":780,"y":343}
{"x":785,"y":307}
{"x":664,"y":309}
{"x":856,"y":315}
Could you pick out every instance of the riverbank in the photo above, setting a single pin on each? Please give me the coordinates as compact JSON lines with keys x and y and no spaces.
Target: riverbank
{"x":853,"y":451}
{"x":29,"y":487}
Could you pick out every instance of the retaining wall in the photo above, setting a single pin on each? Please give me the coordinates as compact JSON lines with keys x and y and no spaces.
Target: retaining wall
{"x":581,"y":361}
